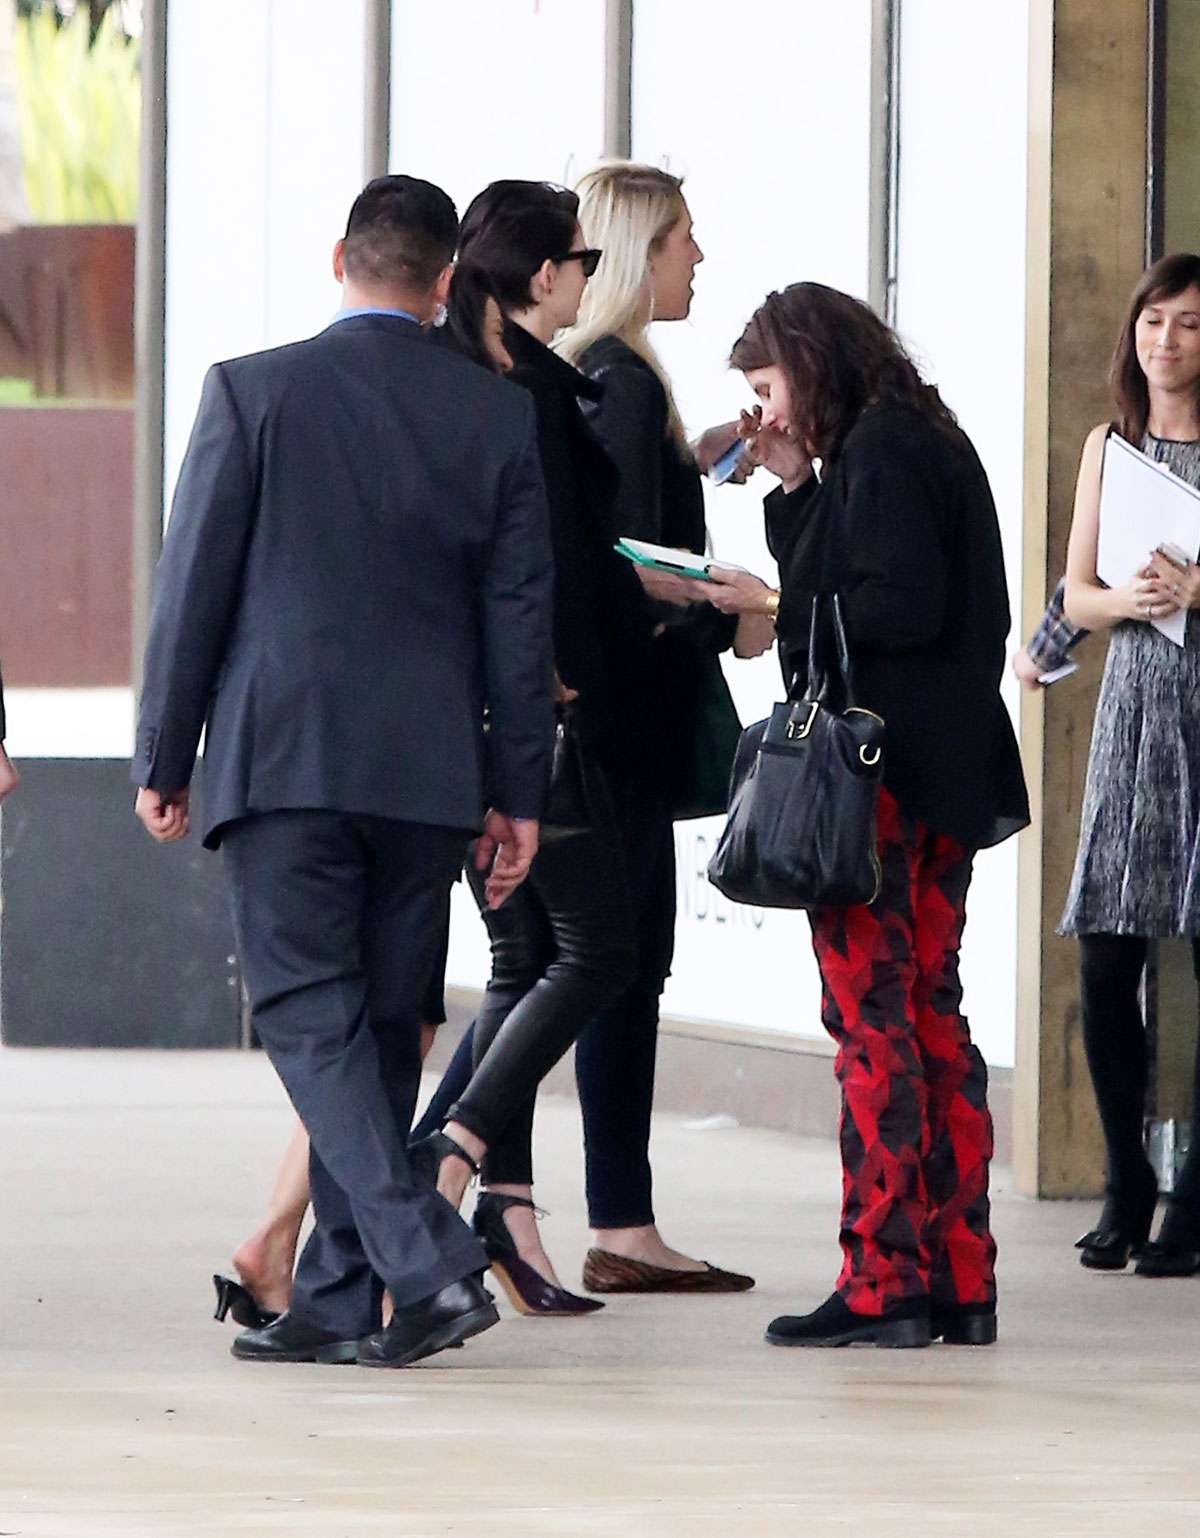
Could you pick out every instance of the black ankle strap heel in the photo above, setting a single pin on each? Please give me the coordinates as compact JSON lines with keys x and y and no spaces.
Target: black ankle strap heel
{"x":528,"y":1290}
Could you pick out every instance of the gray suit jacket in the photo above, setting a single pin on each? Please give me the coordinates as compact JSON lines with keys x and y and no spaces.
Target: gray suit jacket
{"x":357,"y":561}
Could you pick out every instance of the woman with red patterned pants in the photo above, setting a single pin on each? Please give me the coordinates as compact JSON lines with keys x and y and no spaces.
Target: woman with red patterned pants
{"x":901,"y":524}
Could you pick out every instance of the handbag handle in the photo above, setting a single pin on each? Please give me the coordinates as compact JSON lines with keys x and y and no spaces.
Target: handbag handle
{"x":818,"y":673}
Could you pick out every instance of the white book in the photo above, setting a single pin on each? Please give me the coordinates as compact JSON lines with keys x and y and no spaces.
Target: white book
{"x":1142,"y":505}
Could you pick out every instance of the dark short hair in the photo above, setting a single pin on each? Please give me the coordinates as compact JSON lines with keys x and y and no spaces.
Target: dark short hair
{"x":401,"y":231}
{"x":511,"y":228}
{"x":838,"y":358}
{"x":1166,"y":279}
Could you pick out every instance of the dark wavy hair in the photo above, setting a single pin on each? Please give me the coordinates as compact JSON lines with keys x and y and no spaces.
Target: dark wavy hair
{"x":1166,"y":279}
{"x":838,"y":358}
{"x":511,"y":228}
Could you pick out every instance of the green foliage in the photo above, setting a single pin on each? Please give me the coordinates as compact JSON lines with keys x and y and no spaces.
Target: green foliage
{"x":80,"y":109}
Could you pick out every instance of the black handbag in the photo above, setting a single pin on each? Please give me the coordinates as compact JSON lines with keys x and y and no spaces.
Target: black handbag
{"x":715,"y":730}
{"x":568,"y":809}
{"x":801,"y":831}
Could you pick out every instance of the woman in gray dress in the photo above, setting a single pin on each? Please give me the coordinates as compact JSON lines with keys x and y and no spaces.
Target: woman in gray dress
{"x":1137,"y":871}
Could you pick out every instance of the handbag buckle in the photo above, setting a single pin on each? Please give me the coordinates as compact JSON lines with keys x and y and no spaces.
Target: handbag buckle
{"x":799,"y":729}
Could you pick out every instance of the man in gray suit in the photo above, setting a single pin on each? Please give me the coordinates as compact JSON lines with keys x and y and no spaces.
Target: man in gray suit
{"x":357,"y":563}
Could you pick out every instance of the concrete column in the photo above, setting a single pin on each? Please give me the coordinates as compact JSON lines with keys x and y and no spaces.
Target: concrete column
{"x":377,"y":106}
{"x":1087,"y":199}
{"x":618,"y":78}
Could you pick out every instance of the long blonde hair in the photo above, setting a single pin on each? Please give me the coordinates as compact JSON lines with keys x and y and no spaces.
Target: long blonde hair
{"x":627,"y":210}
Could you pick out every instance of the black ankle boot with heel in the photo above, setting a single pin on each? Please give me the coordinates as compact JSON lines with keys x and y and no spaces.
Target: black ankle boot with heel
{"x":528,"y":1290}
{"x":1176,"y":1249}
{"x":1124,"y":1225}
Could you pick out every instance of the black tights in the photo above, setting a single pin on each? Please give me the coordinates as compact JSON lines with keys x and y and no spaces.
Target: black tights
{"x":1114,"y":1038}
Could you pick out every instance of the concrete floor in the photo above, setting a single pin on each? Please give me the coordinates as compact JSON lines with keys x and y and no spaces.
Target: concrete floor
{"x":128,"y":1177}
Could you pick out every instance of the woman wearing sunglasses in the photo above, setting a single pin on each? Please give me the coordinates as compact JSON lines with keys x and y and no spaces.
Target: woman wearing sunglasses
{"x":562,"y":944}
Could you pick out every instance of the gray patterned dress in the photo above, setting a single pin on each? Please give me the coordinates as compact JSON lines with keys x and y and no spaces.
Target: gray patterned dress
{"x":1137,"y":870}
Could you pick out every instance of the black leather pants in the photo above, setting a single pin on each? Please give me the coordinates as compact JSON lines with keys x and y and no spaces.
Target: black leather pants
{"x":562,"y":948}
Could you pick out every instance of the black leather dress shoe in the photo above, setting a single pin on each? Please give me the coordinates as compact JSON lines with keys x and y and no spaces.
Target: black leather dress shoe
{"x":287,"y":1339}
{"x":449,"y":1317}
{"x":835,"y":1324}
{"x":963,"y":1324}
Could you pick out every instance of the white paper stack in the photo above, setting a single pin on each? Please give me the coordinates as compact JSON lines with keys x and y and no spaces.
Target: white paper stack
{"x":1143,"y":505}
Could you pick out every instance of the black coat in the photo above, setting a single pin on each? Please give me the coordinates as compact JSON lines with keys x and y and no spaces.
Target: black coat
{"x":904,"y":528}
{"x":358,"y":558}
{"x":659,"y":498}
{"x":602,"y":619}
{"x":2,"y":721}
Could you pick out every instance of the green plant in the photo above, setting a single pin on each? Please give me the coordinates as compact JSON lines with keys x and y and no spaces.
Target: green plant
{"x":80,"y":109}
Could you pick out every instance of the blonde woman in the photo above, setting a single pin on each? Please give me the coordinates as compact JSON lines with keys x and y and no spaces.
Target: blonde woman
{"x":638,"y":217}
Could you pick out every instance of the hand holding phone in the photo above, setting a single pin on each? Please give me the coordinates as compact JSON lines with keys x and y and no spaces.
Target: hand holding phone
{"x":1175,"y":554}
{"x":724,"y":468}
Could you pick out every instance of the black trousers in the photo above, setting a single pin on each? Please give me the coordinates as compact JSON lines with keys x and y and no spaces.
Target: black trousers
{"x":562,"y":947}
{"x":338,"y":926}
{"x":615,"y":1055}
{"x":1114,"y":1038}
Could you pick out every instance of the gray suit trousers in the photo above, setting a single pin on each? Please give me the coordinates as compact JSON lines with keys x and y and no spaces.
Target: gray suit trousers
{"x":339,"y":922}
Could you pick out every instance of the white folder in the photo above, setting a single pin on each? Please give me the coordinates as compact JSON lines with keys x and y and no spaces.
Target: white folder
{"x":1143,"y":505}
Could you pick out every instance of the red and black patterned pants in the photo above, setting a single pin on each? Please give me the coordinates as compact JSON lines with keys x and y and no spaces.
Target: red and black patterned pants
{"x":916,"y":1134}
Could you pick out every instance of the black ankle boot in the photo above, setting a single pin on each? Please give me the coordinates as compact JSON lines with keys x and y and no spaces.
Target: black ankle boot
{"x":963,"y":1324}
{"x":1176,"y":1250}
{"x":1124,"y":1225}
{"x":906,"y":1323}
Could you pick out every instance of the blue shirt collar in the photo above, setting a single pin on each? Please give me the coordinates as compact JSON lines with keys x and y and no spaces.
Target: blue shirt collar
{"x":373,"y":309}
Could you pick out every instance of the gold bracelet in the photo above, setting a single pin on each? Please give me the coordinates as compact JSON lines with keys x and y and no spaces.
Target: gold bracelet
{"x":772,"y":610}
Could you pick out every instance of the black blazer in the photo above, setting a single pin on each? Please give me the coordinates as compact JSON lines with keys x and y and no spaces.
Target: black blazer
{"x":602,"y":621}
{"x":2,"y":722}
{"x":903,"y":526}
{"x":357,"y":560}
{"x":659,"y":498}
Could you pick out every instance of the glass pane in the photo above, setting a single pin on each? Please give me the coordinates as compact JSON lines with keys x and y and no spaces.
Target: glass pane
{"x":776,"y":160}
{"x":500,"y":88}
{"x":972,"y":180}
{"x":70,"y":103}
{"x":497,"y":88}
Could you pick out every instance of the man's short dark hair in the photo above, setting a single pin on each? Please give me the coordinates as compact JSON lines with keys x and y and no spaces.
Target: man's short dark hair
{"x":511,"y":228}
{"x":402,"y":232}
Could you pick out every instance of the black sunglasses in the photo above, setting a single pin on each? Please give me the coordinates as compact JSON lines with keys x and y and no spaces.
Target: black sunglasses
{"x":588,"y":259}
